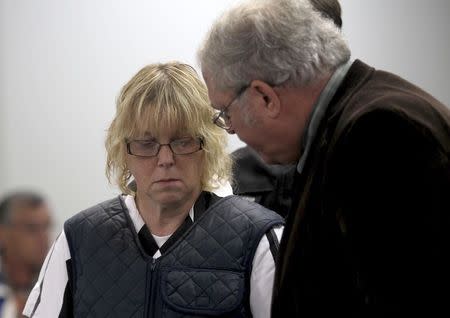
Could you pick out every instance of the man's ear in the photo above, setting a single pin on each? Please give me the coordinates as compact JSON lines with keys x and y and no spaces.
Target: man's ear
{"x":3,"y":235}
{"x":271,"y":99}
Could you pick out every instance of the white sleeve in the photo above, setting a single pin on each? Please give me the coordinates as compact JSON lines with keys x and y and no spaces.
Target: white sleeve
{"x":261,"y":279}
{"x":223,"y":190}
{"x":46,"y":298}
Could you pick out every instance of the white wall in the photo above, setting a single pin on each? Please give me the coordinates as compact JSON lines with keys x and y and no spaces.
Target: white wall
{"x":407,"y":37}
{"x":62,"y":64}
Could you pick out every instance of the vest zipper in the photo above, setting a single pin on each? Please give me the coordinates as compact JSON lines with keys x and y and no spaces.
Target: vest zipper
{"x":151,"y":285}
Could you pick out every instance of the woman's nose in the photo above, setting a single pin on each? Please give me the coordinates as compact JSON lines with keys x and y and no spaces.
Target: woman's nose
{"x":165,"y":156}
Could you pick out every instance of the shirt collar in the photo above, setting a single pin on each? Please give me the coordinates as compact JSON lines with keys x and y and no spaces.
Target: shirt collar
{"x":136,"y":217}
{"x":319,"y":111}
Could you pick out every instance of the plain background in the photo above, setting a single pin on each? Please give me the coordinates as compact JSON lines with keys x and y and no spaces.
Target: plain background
{"x":62,"y":64}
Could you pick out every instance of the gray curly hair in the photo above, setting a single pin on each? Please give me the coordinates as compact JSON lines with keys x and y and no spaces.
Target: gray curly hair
{"x":277,"y":41}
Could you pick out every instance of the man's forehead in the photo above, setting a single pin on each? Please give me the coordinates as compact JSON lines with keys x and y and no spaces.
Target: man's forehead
{"x":206,"y":75}
{"x":27,"y":211}
{"x":210,"y":83}
{"x":218,"y":97}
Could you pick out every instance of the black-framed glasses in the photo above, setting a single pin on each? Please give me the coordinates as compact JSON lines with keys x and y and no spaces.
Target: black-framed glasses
{"x":151,"y":148}
{"x":221,"y":117}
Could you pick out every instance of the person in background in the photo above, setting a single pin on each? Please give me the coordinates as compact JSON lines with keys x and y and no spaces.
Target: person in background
{"x":367,"y":235}
{"x":329,"y":9}
{"x":167,"y":247}
{"x":268,"y":185}
{"x":25,"y":225}
{"x":271,"y":185}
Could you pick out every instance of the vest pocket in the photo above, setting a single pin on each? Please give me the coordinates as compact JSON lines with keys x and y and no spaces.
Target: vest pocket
{"x":202,"y":291}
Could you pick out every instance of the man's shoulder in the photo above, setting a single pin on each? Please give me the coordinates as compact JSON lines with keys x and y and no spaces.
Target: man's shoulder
{"x":377,"y":97}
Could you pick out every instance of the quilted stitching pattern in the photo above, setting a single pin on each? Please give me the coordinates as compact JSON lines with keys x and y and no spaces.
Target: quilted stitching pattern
{"x":229,"y":232}
{"x":204,"y":273}
{"x":106,"y":260}
{"x":226,"y":236}
{"x":193,"y":289}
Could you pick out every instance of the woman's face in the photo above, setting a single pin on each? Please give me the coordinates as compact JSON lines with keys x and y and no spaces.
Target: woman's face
{"x":167,"y":178}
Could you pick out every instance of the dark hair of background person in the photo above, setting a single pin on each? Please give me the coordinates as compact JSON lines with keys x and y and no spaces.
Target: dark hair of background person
{"x":329,"y":9}
{"x":26,"y":199}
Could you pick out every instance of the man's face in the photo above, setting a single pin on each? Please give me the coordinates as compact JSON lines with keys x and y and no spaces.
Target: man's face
{"x":27,"y":235}
{"x":242,"y":120}
{"x":249,"y":118}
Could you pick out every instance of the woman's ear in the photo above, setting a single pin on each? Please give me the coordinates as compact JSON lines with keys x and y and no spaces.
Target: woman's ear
{"x":272,"y":103}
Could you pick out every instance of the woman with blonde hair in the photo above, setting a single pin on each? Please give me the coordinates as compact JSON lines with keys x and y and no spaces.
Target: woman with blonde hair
{"x":168,"y":246}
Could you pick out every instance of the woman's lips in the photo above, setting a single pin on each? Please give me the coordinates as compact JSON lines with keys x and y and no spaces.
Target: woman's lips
{"x":167,"y":181}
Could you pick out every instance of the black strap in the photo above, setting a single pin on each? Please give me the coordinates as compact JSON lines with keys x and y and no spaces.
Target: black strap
{"x":148,"y":242}
{"x":274,"y":244}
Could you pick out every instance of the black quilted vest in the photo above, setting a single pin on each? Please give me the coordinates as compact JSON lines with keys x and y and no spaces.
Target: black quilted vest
{"x":205,"y":273}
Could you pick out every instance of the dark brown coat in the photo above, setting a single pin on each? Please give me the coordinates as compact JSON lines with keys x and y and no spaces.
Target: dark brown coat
{"x":370,"y":234}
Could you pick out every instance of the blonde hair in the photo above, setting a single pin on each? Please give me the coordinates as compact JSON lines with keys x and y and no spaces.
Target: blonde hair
{"x":172,"y":96}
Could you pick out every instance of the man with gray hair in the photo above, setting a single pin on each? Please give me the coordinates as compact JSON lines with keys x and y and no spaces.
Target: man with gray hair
{"x":367,"y":234}
{"x":270,"y":185}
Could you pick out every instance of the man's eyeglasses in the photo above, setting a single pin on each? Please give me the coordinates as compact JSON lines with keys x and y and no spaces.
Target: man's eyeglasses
{"x":221,"y":118}
{"x":150,"y":148}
